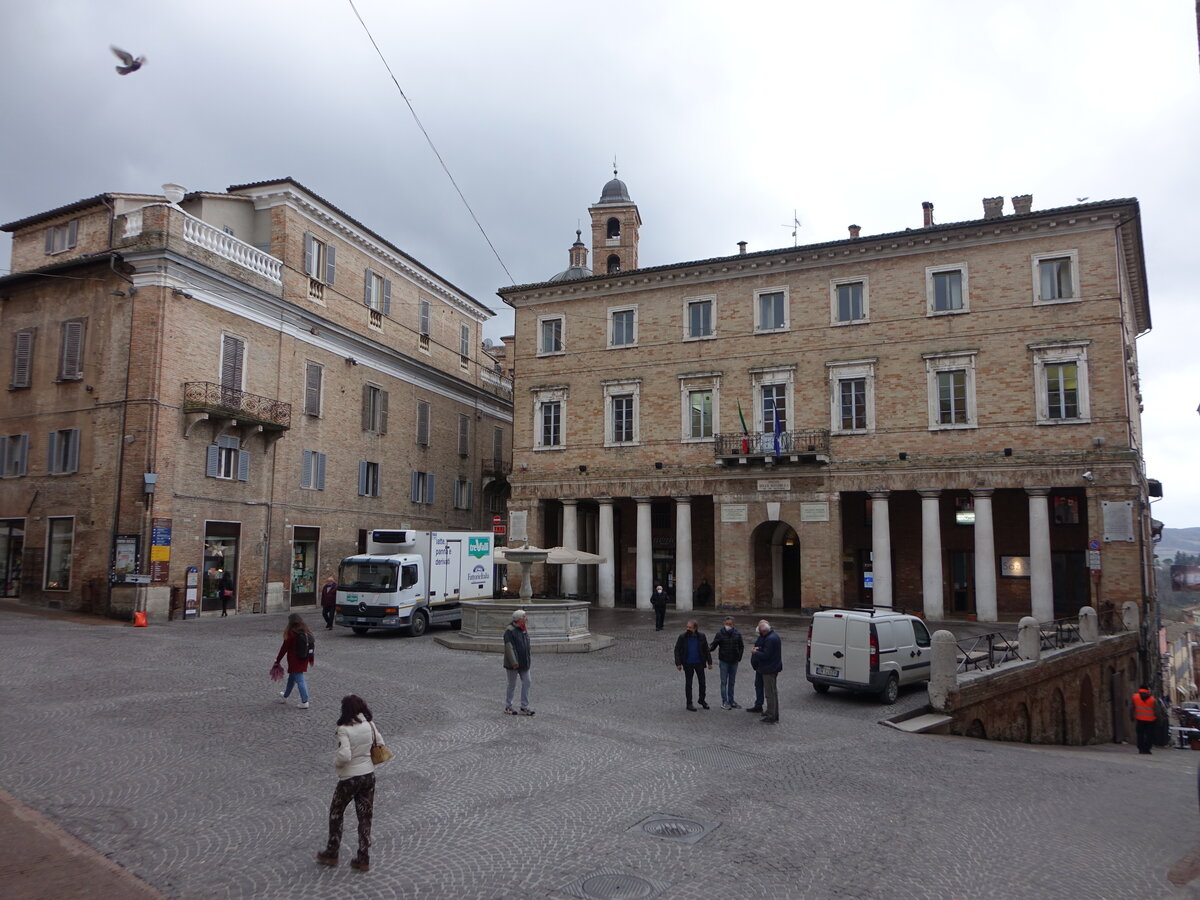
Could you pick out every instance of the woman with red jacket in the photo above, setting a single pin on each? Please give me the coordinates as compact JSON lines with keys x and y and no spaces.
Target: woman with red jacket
{"x":298,"y":645}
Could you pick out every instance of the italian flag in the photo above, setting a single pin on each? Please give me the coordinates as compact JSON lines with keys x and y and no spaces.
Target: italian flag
{"x":745,"y":431}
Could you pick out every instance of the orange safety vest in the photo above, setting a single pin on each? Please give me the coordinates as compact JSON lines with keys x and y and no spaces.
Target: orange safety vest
{"x":1143,"y":707}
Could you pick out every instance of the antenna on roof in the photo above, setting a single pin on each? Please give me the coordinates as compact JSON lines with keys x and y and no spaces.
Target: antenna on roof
{"x":795,"y":226}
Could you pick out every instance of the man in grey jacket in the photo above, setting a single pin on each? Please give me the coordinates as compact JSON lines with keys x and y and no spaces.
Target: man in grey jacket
{"x":516,"y":663}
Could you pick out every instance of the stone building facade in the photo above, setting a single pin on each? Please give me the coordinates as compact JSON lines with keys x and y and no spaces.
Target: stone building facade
{"x":239,"y":382}
{"x":944,"y":418}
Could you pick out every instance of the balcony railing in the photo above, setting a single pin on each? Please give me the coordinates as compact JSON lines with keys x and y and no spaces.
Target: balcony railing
{"x":200,"y":233}
{"x":789,"y":446}
{"x":501,"y":384}
{"x":204,"y":396}
{"x":498,"y":467}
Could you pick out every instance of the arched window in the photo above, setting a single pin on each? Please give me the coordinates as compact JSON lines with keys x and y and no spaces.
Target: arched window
{"x":614,"y":263}
{"x":613,"y":229}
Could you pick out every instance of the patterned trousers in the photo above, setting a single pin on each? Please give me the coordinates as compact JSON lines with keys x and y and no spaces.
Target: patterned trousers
{"x":360,"y":789}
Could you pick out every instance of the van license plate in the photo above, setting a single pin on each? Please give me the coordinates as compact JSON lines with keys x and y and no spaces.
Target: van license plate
{"x":830,"y":671}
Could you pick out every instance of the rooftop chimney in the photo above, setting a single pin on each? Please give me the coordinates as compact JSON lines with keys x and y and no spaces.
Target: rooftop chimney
{"x":993,"y":207}
{"x":927,"y":208}
{"x":1022,"y":204}
{"x":742,"y":247}
{"x":854,"y":230}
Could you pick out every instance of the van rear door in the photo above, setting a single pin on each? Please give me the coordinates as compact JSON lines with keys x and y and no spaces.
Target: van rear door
{"x":827,"y":650}
{"x":858,"y":650}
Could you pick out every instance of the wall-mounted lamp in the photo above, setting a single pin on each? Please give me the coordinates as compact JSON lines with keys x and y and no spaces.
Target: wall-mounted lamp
{"x":658,"y":465}
{"x":351,"y":361}
{"x":583,"y":470}
{"x":149,"y":481}
{"x":903,"y":455}
{"x":1088,"y":477}
{"x":1008,"y":451}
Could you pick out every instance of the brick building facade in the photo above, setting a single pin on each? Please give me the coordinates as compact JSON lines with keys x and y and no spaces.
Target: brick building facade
{"x":242,"y":382}
{"x":944,"y":418}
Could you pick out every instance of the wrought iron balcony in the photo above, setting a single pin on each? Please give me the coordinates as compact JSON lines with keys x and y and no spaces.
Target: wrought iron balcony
{"x":767,"y":447}
{"x":204,"y":396}
{"x":497,"y":467}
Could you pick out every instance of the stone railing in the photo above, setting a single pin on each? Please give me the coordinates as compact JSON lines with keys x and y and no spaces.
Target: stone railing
{"x":200,"y":233}
{"x":500,"y":383}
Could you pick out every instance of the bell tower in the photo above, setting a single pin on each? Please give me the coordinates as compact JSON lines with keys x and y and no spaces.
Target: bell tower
{"x":615,"y":224}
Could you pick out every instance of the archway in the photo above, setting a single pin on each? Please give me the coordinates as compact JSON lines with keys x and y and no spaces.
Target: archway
{"x":1057,"y":726}
{"x":1087,"y":711}
{"x":775,"y":549}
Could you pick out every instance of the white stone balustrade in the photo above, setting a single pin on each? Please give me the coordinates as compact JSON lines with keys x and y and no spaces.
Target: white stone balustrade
{"x":198,"y":232}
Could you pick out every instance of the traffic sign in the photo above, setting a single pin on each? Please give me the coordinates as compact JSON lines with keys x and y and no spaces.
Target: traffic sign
{"x":498,"y":529}
{"x":496,"y":520}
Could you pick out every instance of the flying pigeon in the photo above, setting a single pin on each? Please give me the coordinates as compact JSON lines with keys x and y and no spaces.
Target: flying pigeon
{"x":130,"y":64}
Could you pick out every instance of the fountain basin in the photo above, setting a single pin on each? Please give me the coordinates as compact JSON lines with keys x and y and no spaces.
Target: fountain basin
{"x":555,"y":626}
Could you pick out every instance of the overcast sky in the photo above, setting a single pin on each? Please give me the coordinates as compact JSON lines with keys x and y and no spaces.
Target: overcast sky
{"x":723,"y":117}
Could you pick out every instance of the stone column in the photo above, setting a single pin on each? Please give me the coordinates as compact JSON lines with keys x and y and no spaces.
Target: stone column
{"x":608,"y":569}
{"x":985,"y":557}
{"x":570,"y":541}
{"x":683,"y":553}
{"x":645,"y":553}
{"x":1041,"y":582}
{"x":881,"y":549}
{"x":1029,"y":638}
{"x":943,"y":670}
{"x":932,"y":576}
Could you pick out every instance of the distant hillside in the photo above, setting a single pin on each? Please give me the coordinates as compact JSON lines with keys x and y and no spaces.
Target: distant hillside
{"x":1177,"y":539}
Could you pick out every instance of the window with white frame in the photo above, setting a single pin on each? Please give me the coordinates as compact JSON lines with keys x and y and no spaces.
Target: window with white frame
{"x":946,"y":289}
{"x":312,"y":470}
{"x":60,"y":546}
{"x":1060,"y":374}
{"x":621,"y":416}
{"x":227,"y":460}
{"x":14,"y":455}
{"x":699,"y":406}
{"x":377,"y":292}
{"x":852,"y":396}
{"x":700,"y":414}
{"x":313,"y":376}
{"x":771,"y":310}
{"x":62,"y":237}
{"x":622,"y":327}
{"x":462,"y":493}
{"x":951,"y":387}
{"x":1056,"y":277}
{"x":319,"y":259}
{"x":464,"y":435}
{"x":22,"y":371}
{"x":849,"y":299}
{"x":62,"y":451}
{"x":550,"y":335}
{"x":374,"y":409}
{"x":421,"y":487}
{"x":70,"y":359}
{"x":368,"y":479}
{"x":773,"y":398}
{"x":698,"y":318}
{"x":550,"y":419}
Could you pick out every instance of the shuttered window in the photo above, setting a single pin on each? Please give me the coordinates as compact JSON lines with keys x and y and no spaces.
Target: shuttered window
{"x":14,"y":455}
{"x":312,"y":470}
{"x":62,"y":237}
{"x":312,"y":389}
{"x":70,"y":360}
{"x":233,"y":354}
{"x":497,"y":444}
{"x":226,"y":460}
{"x":374,"y":409}
{"x":464,"y":435}
{"x":22,"y":372}
{"x":422,"y":487}
{"x":319,"y":259}
{"x":368,"y":479}
{"x":377,"y":292}
{"x":423,"y":317}
{"x":462,"y":494}
{"x":423,"y":423}
{"x":62,"y":451}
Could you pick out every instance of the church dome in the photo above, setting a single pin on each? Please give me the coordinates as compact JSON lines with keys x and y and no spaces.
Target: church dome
{"x":572,"y":273}
{"x":615,"y":191}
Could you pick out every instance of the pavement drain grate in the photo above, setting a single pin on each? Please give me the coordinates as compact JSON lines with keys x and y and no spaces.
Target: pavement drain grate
{"x":610,"y":884}
{"x":729,"y":759}
{"x":673,"y":828}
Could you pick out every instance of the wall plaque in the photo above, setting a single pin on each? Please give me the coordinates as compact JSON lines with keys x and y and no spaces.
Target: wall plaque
{"x":814,"y":512}
{"x":733,"y":512}
{"x":774,"y":484}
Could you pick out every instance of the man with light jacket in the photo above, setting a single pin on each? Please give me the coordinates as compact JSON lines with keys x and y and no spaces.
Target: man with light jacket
{"x":767,"y":661}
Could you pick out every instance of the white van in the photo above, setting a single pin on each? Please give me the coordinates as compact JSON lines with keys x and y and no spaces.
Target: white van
{"x":868,"y":650}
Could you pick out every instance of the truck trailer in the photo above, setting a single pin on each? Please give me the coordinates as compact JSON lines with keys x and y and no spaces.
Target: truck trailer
{"x":413,"y":579}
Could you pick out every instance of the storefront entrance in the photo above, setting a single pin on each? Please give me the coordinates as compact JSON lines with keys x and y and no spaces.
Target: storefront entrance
{"x":12,"y":545}
{"x":220,"y":556}
{"x":305,"y":547}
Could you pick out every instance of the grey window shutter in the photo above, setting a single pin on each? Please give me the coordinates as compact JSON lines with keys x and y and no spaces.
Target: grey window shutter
{"x":366,"y":408}
{"x":469,"y":486}
{"x":320,"y":472}
{"x":232,"y":353}
{"x":72,"y":350}
{"x":73,"y":450}
{"x":309,"y":254}
{"x":50,"y":239}
{"x":362,"y":478}
{"x":243,"y":465}
{"x":387,"y":296}
{"x":72,"y":232}
{"x":228,"y":441}
{"x":423,"y":423}
{"x":330,"y":258}
{"x":52,"y":452}
{"x":3,"y":456}
{"x":429,"y":482}
{"x":22,"y":359}
{"x":213,"y":461}
{"x":383,"y":411}
{"x":306,"y":469}
{"x":367,"y":287}
{"x":22,"y":454}
{"x":312,"y":389}
{"x":464,"y":435}
{"x":414,"y":493}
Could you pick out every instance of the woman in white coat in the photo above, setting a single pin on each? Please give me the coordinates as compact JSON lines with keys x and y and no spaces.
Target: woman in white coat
{"x":356,"y":732}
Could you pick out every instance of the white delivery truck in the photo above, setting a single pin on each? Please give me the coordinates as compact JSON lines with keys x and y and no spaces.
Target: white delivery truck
{"x":413,"y":579}
{"x":867,"y":650}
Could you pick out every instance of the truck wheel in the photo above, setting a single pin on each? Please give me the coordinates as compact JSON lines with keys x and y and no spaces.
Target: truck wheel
{"x":358,"y":629}
{"x":820,"y":688}
{"x":891,"y":690}
{"x":418,"y":623}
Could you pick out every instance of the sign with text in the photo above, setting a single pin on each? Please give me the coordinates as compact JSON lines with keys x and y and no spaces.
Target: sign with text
{"x":733,"y":512}
{"x":774,"y":484}
{"x":160,"y":550}
{"x":814,"y":512}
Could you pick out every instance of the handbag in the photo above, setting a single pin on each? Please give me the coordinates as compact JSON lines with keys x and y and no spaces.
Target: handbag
{"x":379,"y":753}
{"x":277,"y":672}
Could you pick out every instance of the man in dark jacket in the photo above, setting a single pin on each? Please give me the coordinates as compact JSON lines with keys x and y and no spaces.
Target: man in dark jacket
{"x":691,"y":655}
{"x":329,"y":601}
{"x":767,"y":661}
{"x":517,"y":661}
{"x":759,"y":641}
{"x":659,"y":601}
{"x":730,"y":647}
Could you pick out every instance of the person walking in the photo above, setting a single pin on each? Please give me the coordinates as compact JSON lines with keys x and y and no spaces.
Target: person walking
{"x":691,"y":655}
{"x":768,"y":662}
{"x":517,"y":660}
{"x":760,"y":641}
{"x":299,"y":646}
{"x":730,"y":647}
{"x":659,"y":601}
{"x":225,"y":590}
{"x":329,"y":601}
{"x":356,"y":733}
{"x":1144,"y":714}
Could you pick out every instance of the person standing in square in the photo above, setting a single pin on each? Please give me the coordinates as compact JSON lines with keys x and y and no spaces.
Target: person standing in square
{"x":692,"y":655}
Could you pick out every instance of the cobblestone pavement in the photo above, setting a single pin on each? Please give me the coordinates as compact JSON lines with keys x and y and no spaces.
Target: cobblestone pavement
{"x":163,"y":749}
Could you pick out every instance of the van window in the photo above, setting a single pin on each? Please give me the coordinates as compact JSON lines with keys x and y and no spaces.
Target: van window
{"x":408,"y":577}
{"x":887,"y":640}
{"x":921,"y":632}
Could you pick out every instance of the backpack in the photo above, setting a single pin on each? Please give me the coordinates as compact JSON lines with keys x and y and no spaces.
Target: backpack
{"x":306,"y":645}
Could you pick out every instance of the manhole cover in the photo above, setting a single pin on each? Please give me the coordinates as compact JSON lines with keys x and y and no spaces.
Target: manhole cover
{"x":616,"y":886}
{"x":673,"y":828}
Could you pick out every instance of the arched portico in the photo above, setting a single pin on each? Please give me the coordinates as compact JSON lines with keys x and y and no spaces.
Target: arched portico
{"x":775,"y":549}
